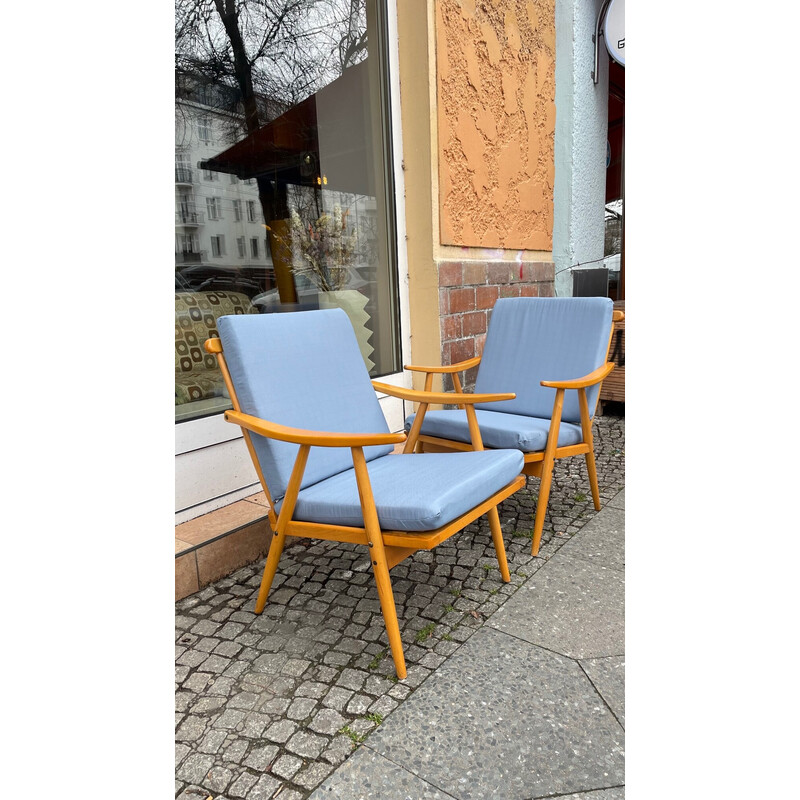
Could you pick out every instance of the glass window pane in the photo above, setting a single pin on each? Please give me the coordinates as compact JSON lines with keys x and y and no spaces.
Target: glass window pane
{"x":298,"y":122}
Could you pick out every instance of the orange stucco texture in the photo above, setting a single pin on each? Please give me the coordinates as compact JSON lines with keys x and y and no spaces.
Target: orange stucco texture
{"x":496,"y":113}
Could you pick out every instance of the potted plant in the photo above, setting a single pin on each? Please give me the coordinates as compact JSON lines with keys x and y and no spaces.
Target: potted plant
{"x":323,"y":252}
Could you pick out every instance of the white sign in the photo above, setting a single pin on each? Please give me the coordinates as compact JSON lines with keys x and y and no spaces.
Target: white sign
{"x":614,"y":31}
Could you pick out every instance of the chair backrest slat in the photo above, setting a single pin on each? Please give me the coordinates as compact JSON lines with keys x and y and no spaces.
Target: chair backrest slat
{"x":531,"y":339}
{"x":303,"y":370}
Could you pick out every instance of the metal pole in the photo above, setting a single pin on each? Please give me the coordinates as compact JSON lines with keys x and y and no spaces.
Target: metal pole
{"x":596,"y":39}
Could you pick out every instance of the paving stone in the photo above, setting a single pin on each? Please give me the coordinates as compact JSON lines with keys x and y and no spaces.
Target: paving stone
{"x":327,"y":721}
{"x":383,"y":706}
{"x":338,"y":750}
{"x":255,"y":724}
{"x":189,"y":659}
{"x":275,"y":706}
{"x":216,"y":664}
{"x":228,"y":649}
{"x":189,"y":792}
{"x":313,"y":775}
{"x":234,"y":752}
{"x":295,"y":667}
{"x":281,"y":731}
{"x":313,"y":689}
{"x":207,"y":644}
{"x":183,"y":700}
{"x":337,"y":697}
{"x":198,"y":681}
{"x":291,"y":795}
{"x":205,"y":628}
{"x":264,"y":788}
{"x":287,"y":766}
{"x":212,"y":741}
{"x":242,"y":785}
{"x":229,"y":719}
{"x":260,"y":758}
{"x":191,"y":729}
{"x":306,"y":744}
{"x":181,"y":751}
{"x":359,"y":704}
{"x":220,"y":686}
{"x":194,"y":768}
{"x":218,"y":779}
{"x":206,"y":704}
{"x":400,"y":691}
{"x":243,"y":700}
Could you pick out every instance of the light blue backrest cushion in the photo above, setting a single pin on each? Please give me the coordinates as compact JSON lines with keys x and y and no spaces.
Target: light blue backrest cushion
{"x":303,"y":370}
{"x":531,"y":339}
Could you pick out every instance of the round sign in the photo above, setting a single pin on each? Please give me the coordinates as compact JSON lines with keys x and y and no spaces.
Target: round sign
{"x":614,"y":31}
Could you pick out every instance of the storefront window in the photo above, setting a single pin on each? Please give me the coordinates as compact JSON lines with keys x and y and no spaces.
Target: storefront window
{"x":282,"y":177}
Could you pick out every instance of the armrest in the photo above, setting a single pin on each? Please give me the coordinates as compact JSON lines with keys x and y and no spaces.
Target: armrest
{"x":417,"y":396}
{"x":318,"y":438}
{"x":461,"y":365}
{"x":582,"y":383}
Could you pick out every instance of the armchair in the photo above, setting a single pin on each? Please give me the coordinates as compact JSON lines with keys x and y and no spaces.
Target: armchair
{"x":324,"y":454}
{"x":551,"y":352}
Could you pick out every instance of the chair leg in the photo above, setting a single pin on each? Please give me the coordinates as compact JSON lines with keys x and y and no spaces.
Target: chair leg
{"x":380,"y":569}
{"x":275,"y":550}
{"x":592,"y":470}
{"x":545,"y":483}
{"x":499,"y":546}
{"x":380,"y":564}
{"x":547,"y":471}
{"x":586,"y":429}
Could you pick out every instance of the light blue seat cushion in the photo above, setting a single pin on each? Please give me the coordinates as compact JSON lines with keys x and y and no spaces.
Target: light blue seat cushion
{"x":414,"y":492}
{"x":498,"y":430}
{"x":531,"y":339}
{"x":303,"y":370}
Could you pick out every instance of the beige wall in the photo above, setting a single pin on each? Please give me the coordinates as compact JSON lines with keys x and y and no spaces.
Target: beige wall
{"x":496,"y":118}
{"x":477,"y":93}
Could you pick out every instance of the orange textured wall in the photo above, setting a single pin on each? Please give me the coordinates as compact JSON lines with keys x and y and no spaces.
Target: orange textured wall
{"x":496,"y":118}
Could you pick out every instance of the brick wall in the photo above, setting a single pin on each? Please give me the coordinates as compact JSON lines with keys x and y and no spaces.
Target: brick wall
{"x":468,"y":291}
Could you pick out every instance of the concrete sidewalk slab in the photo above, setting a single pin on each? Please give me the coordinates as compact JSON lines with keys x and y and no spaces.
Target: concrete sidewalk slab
{"x":602,"y":540}
{"x":570,"y":606}
{"x":608,"y":677}
{"x":502,"y":719}
{"x":368,"y":776}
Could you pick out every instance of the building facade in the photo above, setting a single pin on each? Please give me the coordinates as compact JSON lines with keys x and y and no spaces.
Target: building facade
{"x":447,"y":152}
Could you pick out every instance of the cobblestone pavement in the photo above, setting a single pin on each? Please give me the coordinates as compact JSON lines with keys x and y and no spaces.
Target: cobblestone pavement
{"x":268,"y":706}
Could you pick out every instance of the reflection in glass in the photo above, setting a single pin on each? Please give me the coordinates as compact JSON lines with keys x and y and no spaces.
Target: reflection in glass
{"x":283,"y":192}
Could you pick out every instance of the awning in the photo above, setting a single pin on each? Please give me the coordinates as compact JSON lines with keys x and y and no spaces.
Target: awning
{"x":327,"y":136}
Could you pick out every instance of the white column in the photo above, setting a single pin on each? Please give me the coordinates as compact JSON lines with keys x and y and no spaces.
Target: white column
{"x":580,"y":142}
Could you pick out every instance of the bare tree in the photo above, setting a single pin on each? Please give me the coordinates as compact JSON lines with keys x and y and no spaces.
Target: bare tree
{"x":268,"y":55}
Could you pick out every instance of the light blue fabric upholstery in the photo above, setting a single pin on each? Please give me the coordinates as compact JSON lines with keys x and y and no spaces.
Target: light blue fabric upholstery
{"x":303,"y":370}
{"x":414,"y":492}
{"x":498,"y":430}
{"x":531,"y":339}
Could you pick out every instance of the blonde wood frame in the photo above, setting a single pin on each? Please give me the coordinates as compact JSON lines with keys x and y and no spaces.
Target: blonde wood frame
{"x":386,"y":548}
{"x":538,"y":464}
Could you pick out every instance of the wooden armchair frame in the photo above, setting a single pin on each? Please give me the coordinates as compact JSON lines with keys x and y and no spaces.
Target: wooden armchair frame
{"x":540,"y":463}
{"x":387,"y":548}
